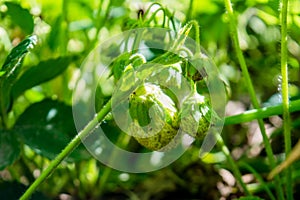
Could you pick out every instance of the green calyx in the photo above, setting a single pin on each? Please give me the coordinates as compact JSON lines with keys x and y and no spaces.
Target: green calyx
{"x":195,"y":116}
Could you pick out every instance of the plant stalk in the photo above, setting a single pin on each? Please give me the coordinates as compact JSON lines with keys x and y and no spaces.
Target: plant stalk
{"x":260,"y":179}
{"x":240,"y":56}
{"x":285,"y":96}
{"x":261,"y":113}
{"x":189,"y":11}
{"x":67,"y":150}
{"x":197,"y":35}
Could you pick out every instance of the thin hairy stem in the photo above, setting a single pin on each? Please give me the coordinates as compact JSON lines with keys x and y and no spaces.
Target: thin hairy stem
{"x":240,"y":56}
{"x":67,"y":150}
{"x":285,"y":96}
{"x":261,"y":113}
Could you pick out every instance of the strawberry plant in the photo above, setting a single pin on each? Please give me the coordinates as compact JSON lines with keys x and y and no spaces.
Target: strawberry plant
{"x":118,"y":99}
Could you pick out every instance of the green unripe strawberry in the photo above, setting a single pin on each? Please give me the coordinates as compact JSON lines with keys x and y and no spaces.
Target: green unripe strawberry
{"x":195,"y":116}
{"x":154,"y":116}
{"x":161,"y":139}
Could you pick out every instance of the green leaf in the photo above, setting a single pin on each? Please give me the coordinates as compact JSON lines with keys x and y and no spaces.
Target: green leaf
{"x":9,"y":148}
{"x":47,"y":127}
{"x":18,"y":52}
{"x":44,"y":71}
{"x":54,"y":37}
{"x":20,"y":16}
{"x":13,"y":190}
{"x":119,"y":64}
{"x":11,"y":69}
